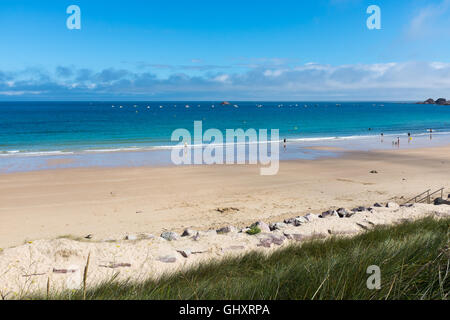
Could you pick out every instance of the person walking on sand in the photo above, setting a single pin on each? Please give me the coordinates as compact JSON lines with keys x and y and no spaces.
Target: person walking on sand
{"x":284,"y":144}
{"x":398,"y":142}
{"x":382,"y":137}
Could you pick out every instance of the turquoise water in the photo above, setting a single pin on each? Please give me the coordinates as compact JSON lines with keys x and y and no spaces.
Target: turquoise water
{"x":72,"y":127}
{"x":46,"y":135}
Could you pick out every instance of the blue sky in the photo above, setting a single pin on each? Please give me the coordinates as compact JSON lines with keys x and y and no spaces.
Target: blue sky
{"x":224,"y":50}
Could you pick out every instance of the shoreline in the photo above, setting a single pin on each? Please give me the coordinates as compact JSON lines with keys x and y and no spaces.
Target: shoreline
{"x":301,"y":149}
{"x":109,"y":202}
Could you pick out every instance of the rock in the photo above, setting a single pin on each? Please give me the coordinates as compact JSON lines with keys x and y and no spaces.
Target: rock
{"x":144,"y":236}
{"x":196,"y":237}
{"x":440,"y":201}
{"x":299,"y":221}
{"x":228,"y":229}
{"x":278,"y":239}
{"x":89,"y":236}
{"x":377,"y":205}
{"x":360,"y":209}
{"x":428,"y":101}
{"x":188,"y":233}
{"x":442,"y":102}
{"x":265,"y":242}
{"x":131,"y":237}
{"x":329,"y":213}
{"x":294,"y":236}
{"x":185,"y":252}
{"x":262,"y":226}
{"x":343,"y":213}
{"x":208,"y":233}
{"x":374,"y":171}
{"x":289,"y":221}
{"x":311,"y":217}
{"x":170,"y":236}
{"x":278,"y":226}
{"x":392,"y":205}
{"x":167,"y":259}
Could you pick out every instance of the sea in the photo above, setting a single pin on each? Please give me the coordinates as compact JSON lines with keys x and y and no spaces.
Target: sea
{"x":35,"y":135}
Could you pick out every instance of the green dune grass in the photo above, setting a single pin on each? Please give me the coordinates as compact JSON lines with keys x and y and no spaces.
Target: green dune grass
{"x":413,"y":258}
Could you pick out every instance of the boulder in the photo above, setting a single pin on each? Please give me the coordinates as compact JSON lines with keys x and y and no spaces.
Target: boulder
{"x":146,"y":236}
{"x":377,"y":205}
{"x":299,"y":221}
{"x":208,"y":233}
{"x":170,"y":236}
{"x":441,"y":101}
{"x":392,"y":205}
{"x":188,"y":233}
{"x":440,"y":201}
{"x":360,"y":209}
{"x":185,"y":252}
{"x":289,"y":221}
{"x":294,"y":236}
{"x":343,"y":213}
{"x":329,"y":213}
{"x":264,"y":227}
{"x":311,"y":217}
{"x":278,"y":226}
{"x":196,"y":237}
{"x":374,"y":171}
{"x":131,"y":237}
{"x":228,"y":229}
{"x":428,"y":101}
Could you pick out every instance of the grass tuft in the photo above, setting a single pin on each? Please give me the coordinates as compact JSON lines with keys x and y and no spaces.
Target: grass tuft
{"x":413,"y":258}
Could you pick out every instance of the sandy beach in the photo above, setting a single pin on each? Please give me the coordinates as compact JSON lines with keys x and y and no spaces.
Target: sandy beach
{"x":113,"y":202}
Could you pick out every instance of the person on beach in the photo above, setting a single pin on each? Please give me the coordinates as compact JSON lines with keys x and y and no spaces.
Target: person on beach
{"x":409,"y":137}
{"x":382,"y":137}
{"x":431,"y":133}
{"x":398,"y":142}
{"x":284,"y":144}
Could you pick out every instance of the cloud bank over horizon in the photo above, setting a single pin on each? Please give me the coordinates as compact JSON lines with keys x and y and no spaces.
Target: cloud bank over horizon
{"x":311,"y":81}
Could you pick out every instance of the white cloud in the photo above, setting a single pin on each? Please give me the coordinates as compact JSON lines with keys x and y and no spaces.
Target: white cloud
{"x":381,"y":81}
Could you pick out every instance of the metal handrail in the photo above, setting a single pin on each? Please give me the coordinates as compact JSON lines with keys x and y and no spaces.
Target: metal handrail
{"x":415,"y":198}
{"x":427,"y":197}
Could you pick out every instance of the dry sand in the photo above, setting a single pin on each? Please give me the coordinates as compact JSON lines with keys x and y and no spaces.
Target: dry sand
{"x":111,"y":202}
{"x":28,"y":268}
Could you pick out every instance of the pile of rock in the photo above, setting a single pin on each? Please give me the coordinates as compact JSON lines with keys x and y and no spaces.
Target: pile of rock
{"x":273,"y":233}
{"x":440,"y":101}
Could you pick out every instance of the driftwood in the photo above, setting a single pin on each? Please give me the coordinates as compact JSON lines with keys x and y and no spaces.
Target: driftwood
{"x":64,"y":270}
{"x":116,"y":265}
{"x":33,"y":274}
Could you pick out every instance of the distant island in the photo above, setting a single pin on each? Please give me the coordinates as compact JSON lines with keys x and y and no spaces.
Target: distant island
{"x":440,"y":101}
